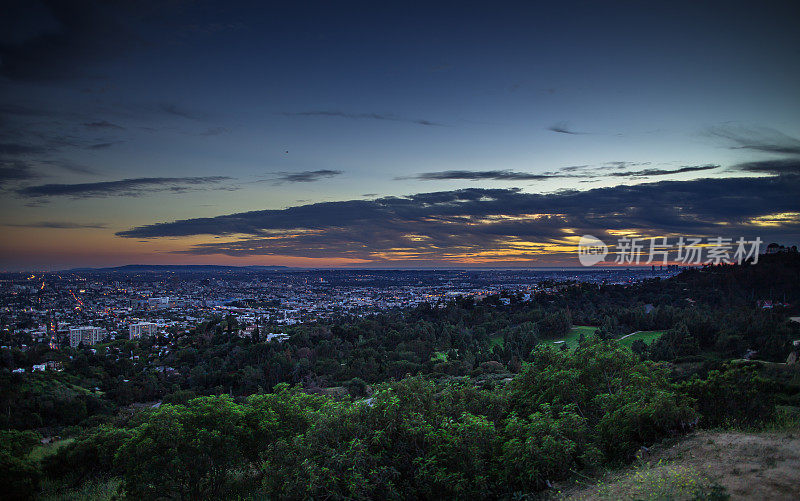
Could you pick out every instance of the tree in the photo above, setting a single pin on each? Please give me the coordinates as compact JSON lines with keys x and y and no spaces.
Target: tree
{"x":188,"y":452}
{"x":19,"y":475}
{"x":639,"y":347}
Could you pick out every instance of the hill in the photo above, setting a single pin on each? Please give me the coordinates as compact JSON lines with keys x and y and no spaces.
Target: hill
{"x":708,"y":463}
{"x":182,"y":268}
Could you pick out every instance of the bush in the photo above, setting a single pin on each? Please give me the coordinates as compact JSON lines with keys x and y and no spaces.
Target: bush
{"x":19,"y":475}
{"x":736,"y":395}
{"x":91,"y":455}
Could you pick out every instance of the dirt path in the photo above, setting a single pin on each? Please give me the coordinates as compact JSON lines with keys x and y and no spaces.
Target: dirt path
{"x":629,"y":335}
{"x":747,"y":465}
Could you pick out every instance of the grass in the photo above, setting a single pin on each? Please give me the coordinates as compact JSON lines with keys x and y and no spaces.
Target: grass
{"x":439,"y":356}
{"x":95,"y":490}
{"x":496,"y":340}
{"x":42,"y":451}
{"x":571,"y":339}
{"x":646,"y":336}
{"x":574,"y":334}
{"x":661,"y":482}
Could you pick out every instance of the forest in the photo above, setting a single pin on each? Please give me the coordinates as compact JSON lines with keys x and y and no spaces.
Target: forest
{"x":460,"y":399}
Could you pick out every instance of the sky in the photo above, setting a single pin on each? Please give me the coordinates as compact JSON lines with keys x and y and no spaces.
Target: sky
{"x":391,"y":134}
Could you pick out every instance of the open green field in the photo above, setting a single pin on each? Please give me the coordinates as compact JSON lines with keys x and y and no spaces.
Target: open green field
{"x":646,"y":336}
{"x":575,"y":333}
{"x":42,"y":451}
{"x":571,"y":339}
{"x":439,"y":356}
{"x":496,"y":340}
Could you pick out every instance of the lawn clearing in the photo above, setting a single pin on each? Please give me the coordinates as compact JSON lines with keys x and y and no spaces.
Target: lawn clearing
{"x":42,"y":451}
{"x":646,"y":336}
{"x":496,"y":340}
{"x":439,"y":356}
{"x":572,"y":337}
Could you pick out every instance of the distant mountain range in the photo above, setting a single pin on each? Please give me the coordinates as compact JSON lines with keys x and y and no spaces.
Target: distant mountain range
{"x":181,"y":268}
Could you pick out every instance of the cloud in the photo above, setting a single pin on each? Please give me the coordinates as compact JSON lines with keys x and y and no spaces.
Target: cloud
{"x":102,"y":146}
{"x":494,"y":175}
{"x":579,"y":172}
{"x":103,"y":124}
{"x":774,"y":167}
{"x":214,"y":131}
{"x":564,"y":128}
{"x":59,"y":40}
{"x":662,"y":172}
{"x":179,"y":111}
{"x":494,"y":224}
{"x":68,"y":166}
{"x":308,"y":176}
{"x":61,"y":225}
{"x":622,"y":164}
{"x":15,"y":171}
{"x":757,"y":139}
{"x":15,"y":149}
{"x":123,"y":187}
{"x":361,"y":116}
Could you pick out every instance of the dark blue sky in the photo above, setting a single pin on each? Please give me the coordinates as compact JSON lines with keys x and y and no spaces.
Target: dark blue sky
{"x":115,"y":116}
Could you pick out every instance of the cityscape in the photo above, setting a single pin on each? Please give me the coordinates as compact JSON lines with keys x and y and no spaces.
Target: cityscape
{"x":512,"y":250}
{"x":84,"y":307}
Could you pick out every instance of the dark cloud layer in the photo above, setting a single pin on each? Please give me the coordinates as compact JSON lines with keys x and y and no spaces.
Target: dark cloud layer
{"x":52,"y":39}
{"x":103,"y":124}
{"x":15,"y":171}
{"x":439,"y":225}
{"x":122,"y":187}
{"x":494,"y":175}
{"x":360,"y":116}
{"x":761,"y":139}
{"x":663,"y":172}
{"x":580,"y":172}
{"x":774,"y":167}
{"x":308,"y":176}
{"x":564,"y":128}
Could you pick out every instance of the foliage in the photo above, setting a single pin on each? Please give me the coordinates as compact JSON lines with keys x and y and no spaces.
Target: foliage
{"x":566,"y":411}
{"x":19,"y":475}
{"x":735,"y":395}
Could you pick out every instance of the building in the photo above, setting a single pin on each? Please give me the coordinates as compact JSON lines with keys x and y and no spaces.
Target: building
{"x":87,"y":335}
{"x":135,"y":331}
{"x":160,"y":303}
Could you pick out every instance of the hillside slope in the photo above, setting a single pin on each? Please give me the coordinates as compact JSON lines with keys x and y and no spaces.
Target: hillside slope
{"x":746,"y":465}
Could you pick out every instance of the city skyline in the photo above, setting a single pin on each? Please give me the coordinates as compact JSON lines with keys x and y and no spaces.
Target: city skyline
{"x":391,"y":136}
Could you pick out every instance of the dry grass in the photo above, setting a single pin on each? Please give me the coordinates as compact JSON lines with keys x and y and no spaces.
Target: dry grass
{"x":762,"y":465}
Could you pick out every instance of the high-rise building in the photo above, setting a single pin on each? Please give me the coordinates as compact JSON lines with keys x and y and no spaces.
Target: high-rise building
{"x":137,"y":330}
{"x":87,"y":335}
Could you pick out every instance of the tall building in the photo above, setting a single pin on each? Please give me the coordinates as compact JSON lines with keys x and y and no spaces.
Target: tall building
{"x":137,"y":330}
{"x":160,"y":303}
{"x":87,"y":335}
